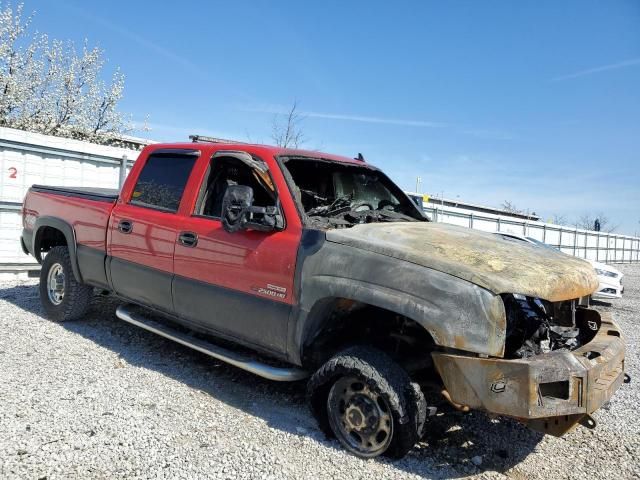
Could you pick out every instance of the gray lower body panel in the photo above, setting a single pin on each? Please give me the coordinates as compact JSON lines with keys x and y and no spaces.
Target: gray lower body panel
{"x":91,"y":262}
{"x":256,"y":320}
{"x":142,"y":284}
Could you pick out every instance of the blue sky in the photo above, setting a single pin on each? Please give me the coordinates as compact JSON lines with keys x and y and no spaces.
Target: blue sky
{"x":533,"y":102}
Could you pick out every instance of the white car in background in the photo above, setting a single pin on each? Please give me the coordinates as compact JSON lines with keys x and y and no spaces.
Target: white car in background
{"x":610,"y":278}
{"x":610,"y":281}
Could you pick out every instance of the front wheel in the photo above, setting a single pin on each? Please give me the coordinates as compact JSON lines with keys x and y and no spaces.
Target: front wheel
{"x":367,"y":401}
{"x":62,"y":296}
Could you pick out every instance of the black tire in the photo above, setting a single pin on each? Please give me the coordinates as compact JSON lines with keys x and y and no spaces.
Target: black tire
{"x":75,"y":297}
{"x":387,"y":380}
{"x":420,"y":402}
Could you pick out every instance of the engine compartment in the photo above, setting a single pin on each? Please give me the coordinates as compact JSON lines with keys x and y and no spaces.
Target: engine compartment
{"x":536,"y":326}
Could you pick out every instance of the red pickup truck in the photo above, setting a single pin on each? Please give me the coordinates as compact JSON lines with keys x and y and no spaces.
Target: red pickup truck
{"x":291,"y":264}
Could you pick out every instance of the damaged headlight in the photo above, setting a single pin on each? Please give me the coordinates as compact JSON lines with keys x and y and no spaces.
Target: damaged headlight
{"x":536,"y":326}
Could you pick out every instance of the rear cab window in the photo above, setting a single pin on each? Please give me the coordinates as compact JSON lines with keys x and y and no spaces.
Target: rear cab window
{"x":163,"y":179}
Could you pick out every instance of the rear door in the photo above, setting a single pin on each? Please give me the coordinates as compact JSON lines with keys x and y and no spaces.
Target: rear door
{"x":143,"y":228}
{"x":236,"y":284}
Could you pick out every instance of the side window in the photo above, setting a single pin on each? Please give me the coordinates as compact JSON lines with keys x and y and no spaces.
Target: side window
{"x":162,"y":181}
{"x":227,"y":171}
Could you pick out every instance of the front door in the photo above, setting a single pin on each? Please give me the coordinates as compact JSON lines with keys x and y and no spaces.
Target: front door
{"x":236,"y":284}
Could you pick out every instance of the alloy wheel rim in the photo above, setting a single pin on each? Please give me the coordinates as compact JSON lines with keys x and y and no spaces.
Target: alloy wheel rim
{"x":55,"y":284}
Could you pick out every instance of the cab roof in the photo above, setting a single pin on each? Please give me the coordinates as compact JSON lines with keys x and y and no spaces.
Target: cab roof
{"x":257,"y":149}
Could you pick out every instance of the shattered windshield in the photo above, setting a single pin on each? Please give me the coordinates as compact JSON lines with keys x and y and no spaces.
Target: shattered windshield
{"x":335,"y":195}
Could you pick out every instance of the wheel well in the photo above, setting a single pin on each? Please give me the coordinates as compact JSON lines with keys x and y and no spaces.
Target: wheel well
{"x":49,"y":237}
{"x":347,"y":322}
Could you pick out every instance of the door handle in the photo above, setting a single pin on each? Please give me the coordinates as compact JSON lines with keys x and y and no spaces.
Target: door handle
{"x":188,"y":239}
{"x":125,"y":226}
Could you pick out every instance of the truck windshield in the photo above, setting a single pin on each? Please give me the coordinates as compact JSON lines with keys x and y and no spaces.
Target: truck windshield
{"x":334,"y":194}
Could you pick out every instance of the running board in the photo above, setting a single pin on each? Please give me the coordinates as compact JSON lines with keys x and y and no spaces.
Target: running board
{"x":123,"y":312}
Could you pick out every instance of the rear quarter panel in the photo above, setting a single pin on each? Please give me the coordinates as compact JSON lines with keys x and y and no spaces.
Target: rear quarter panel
{"x":88,"y":218}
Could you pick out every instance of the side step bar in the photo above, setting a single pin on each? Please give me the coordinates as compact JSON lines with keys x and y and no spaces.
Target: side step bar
{"x":123,"y":312}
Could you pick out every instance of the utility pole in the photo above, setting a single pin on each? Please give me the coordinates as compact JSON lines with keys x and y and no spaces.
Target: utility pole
{"x":418,"y":182}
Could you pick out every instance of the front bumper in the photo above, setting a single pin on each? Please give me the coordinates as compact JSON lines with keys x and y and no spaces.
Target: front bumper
{"x":551,"y":392}
{"x":607,"y":295}
{"x":608,"y":290}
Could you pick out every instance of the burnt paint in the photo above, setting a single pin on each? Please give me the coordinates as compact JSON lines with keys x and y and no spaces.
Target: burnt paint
{"x":477,"y":257}
{"x":457,"y":313}
{"x":591,"y":381}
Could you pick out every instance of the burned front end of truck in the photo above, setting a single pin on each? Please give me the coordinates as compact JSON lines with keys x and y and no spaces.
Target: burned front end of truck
{"x":511,"y":331}
{"x":499,"y":326}
{"x":562,"y":361}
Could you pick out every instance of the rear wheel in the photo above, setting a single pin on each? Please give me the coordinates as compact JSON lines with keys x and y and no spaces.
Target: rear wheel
{"x":62,"y":296}
{"x":367,"y":401}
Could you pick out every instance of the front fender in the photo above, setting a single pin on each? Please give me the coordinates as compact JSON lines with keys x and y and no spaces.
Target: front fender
{"x":457,"y":313}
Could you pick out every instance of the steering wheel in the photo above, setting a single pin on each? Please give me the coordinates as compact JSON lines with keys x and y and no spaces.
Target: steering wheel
{"x":385,"y":203}
{"x":358,"y":207}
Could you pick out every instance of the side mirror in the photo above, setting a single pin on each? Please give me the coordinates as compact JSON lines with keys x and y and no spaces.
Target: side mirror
{"x":238,"y":212}
{"x":235,"y":205}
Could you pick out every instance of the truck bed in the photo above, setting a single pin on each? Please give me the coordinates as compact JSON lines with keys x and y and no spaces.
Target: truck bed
{"x":85,"y":210}
{"x":89,"y":193}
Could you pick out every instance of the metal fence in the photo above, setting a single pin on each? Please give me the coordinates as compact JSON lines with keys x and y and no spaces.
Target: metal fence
{"x":599,"y":246}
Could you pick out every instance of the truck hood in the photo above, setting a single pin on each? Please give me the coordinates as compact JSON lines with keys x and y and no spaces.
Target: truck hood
{"x":499,"y":265}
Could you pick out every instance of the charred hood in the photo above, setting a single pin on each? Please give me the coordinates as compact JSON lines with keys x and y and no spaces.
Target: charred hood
{"x":498,"y":265}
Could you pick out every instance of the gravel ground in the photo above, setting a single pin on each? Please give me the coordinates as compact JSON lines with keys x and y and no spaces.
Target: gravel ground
{"x":100,"y":398}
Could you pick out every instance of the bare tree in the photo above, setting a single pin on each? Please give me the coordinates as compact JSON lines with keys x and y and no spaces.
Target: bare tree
{"x":287,"y":132}
{"x":510,"y":207}
{"x":560,"y":219}
{"x":48,"y":87}
{"x":588,"y":222}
